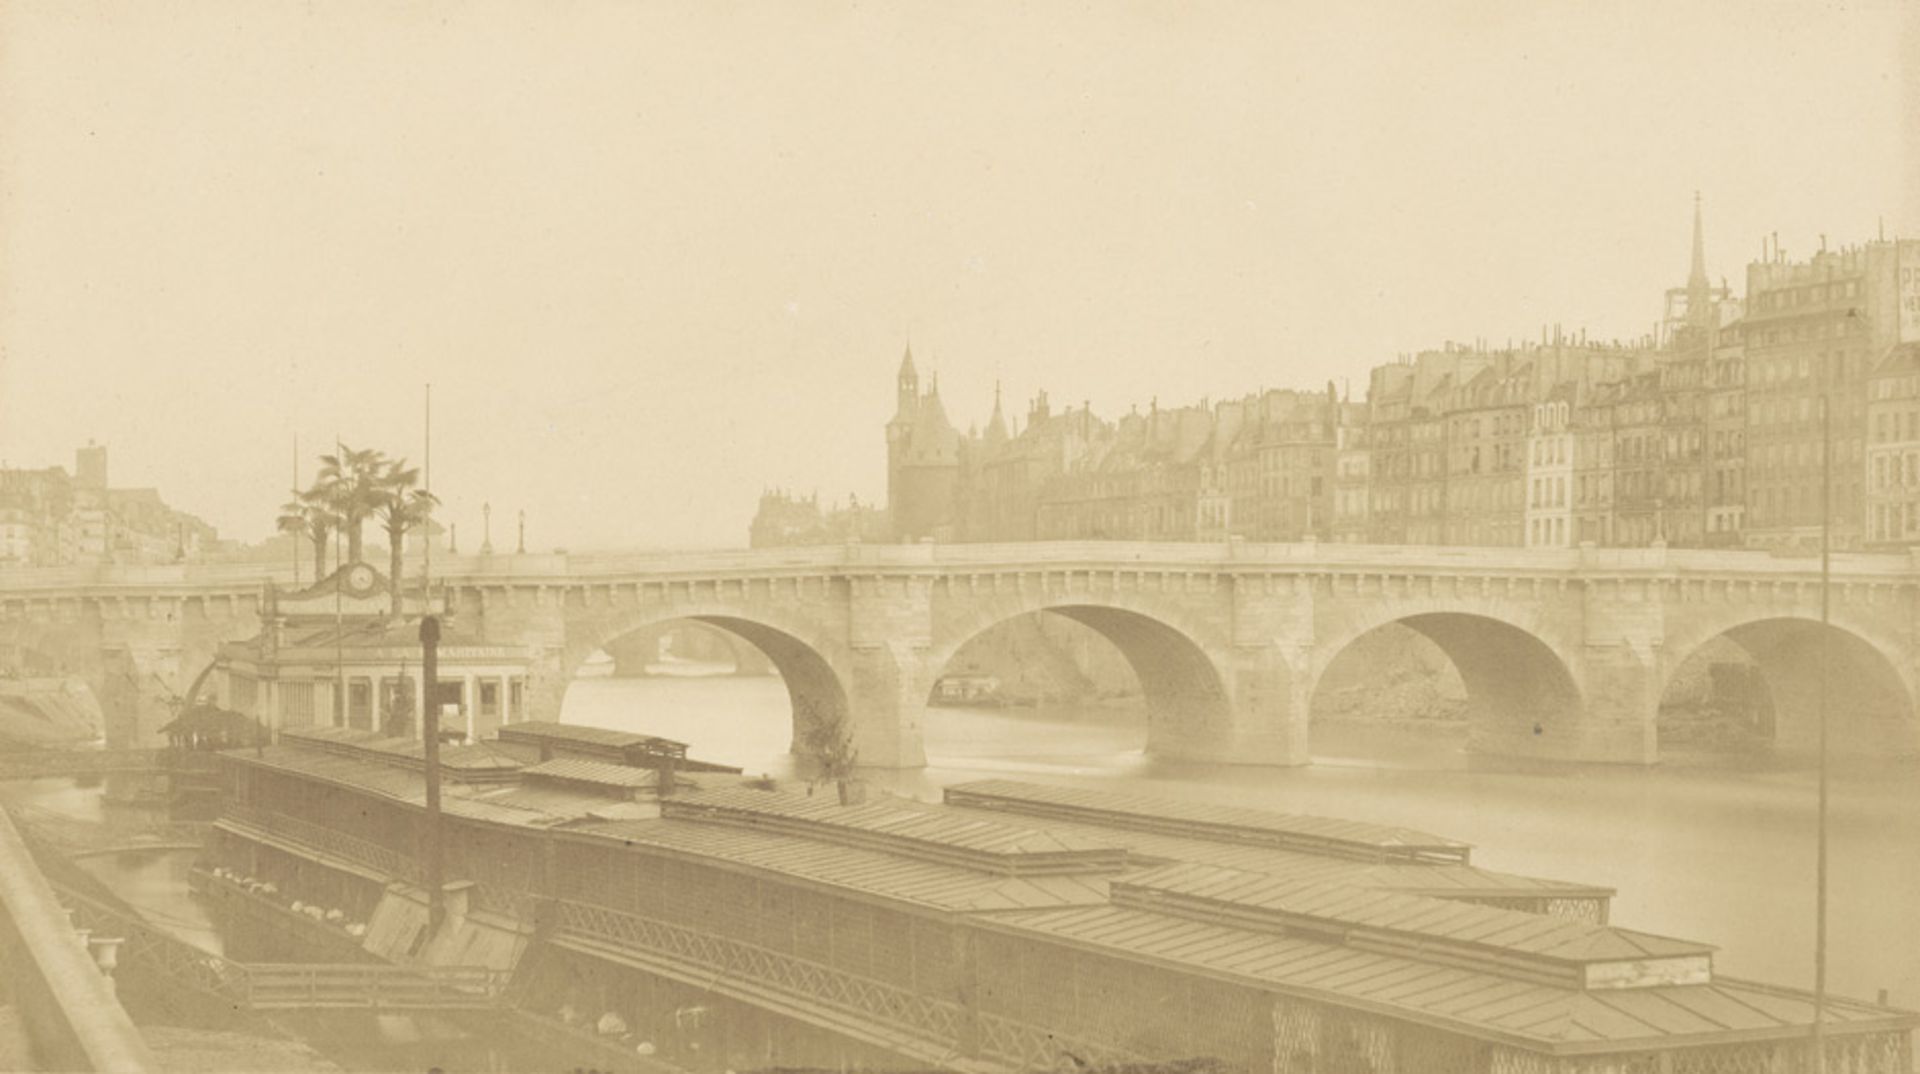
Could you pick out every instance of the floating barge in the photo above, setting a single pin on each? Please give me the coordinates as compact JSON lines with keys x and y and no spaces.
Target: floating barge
{"x":1012,"y":927}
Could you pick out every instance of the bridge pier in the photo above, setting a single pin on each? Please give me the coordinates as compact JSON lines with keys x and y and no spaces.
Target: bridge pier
{"x":887,"y":705}
{"x":1610,"y":721}
{"x":1259,"y":717}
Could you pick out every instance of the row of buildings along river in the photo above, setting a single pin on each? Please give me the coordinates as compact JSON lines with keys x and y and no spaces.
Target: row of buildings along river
{"x":1705,"y":432}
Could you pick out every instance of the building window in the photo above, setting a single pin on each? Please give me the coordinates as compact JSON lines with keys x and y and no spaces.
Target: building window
{"x":296,"y":704}
{"x":489,"y":697}
{"x":360,"y":703}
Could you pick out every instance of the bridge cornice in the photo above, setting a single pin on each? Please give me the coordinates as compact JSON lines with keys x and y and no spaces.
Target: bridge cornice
{"x":22,"y":587}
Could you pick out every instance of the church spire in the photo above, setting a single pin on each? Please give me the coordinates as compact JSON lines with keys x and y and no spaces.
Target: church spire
{"x":1699,"y":272}
{"x":996,"y":425}
{"x":1699,"y":290}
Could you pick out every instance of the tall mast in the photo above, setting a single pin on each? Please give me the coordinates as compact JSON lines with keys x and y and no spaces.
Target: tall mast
{"x":1819,"y":1064}
{"x":339,"y":634}
{"x":298,"y":538}
{"x":426,"y":555}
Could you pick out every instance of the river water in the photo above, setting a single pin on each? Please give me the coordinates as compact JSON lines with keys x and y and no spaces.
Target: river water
{"x":1719,"y":854}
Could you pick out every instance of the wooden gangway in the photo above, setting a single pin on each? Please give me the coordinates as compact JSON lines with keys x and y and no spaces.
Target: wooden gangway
{"x":283,"y":986}
{"x":369,"y":986}
{"x":175,"y":963}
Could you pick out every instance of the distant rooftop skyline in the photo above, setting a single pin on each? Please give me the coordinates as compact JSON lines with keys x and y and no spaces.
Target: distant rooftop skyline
{"x":656,"y":258}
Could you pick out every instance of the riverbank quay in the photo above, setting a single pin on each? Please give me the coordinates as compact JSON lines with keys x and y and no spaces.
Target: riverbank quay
{"x":725,"y":926}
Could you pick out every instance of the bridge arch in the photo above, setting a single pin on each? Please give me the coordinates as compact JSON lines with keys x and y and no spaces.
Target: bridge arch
{"x":1186,"y":690}
{"x":1871,"y":692}
{"x":1522,"y":696}
{"x":808,"y":665}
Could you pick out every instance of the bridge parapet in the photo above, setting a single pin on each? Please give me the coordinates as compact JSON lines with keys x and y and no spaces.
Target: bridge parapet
{"x":19,"y":586}
{"x":65,"y":1002}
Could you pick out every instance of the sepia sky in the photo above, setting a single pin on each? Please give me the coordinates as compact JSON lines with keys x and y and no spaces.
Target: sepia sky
{"x":656,"y":256}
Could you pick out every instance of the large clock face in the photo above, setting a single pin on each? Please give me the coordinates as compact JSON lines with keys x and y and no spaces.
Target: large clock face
{"x":360,"y":578}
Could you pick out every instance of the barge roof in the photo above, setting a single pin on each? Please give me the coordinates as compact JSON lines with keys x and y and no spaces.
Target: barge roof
{"x":1443,"y":879}
{"x":1326,"y":835}
{"x":863,"y":871}
{"x":904,"y":827}
{"x":1557,"y":1018}
{"x":1503,"y":975}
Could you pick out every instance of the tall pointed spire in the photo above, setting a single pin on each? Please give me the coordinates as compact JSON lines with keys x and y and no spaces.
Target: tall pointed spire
{"x":1699,"y":270}
{"x":1699,"y":290}
{"x":996,"y":425}
{"x":906,"y":389}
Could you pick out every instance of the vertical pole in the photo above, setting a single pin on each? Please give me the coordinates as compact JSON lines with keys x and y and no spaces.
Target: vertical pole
{"x":426,"y":553}
{"x":299,"y":539}
{"x":1819,"y":1064}
{"x":430,"y":727}
{"x":339,"y":631}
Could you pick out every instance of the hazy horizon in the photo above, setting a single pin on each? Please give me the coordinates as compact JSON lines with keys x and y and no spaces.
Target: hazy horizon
{"x":655,"y":258}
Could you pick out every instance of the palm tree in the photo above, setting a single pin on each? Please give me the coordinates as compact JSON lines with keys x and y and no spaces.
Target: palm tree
{"x":402,"y":507}
{"x":352,"y":483}
{"x":307,"y":516}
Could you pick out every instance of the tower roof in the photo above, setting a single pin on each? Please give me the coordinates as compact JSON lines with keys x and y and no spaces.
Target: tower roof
{"x":1700,"y":314}
{"x":906,"y":364}
{"x":996,"y":425}
{"x":1697,"y":275}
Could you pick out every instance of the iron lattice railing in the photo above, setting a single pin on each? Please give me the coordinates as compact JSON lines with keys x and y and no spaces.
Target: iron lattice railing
{"x":1023,"y":1046}
{"x":939,"y":1022}
{"x":931,"y":1019}
{"x":178,"y":963}
{"x":319,"y":837}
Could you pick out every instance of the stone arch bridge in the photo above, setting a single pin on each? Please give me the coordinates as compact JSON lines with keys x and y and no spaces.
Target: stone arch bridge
{"x":1564,"y":653}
